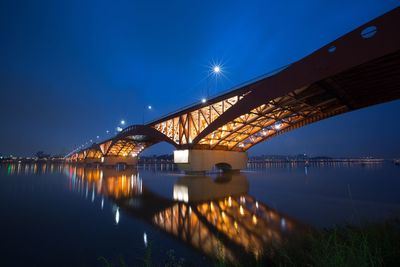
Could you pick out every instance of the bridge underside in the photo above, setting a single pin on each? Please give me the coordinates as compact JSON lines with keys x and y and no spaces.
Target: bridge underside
{"x":123,"y":148}
{"x":372,"y":83}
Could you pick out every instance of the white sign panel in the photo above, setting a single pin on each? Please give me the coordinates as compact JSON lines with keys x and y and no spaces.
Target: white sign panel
{"x":181,"y":156}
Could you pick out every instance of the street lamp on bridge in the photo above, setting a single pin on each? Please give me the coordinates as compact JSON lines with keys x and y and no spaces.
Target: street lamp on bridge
{"x":216,"y":69}
{"x":149,"y":107}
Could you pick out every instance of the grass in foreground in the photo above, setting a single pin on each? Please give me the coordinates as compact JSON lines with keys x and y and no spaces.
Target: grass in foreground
{"x":368,"y":245}
{"x":372,"y":245}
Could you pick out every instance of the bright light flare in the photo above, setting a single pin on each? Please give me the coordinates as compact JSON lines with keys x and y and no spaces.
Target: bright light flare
{"x":203,"y":100}
{"x":122,"y":122}
{"x":216,"y":69}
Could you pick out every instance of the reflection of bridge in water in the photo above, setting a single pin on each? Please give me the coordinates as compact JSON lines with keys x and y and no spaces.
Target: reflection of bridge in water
{"x":216,"y":217}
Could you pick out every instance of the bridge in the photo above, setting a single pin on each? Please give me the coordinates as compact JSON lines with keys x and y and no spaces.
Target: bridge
{"x":216,"y":217}
{"x":357,"y":70}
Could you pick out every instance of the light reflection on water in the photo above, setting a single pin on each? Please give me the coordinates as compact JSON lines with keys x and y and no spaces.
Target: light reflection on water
{"x":227,"y":214}
{"x":208,"y":215}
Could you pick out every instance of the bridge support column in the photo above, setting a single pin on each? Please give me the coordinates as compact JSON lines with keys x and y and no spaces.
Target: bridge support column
{"x":194,"y":160}
{"x":114,"y":160}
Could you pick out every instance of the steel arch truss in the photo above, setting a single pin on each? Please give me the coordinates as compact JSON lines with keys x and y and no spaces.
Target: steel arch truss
{"x":185,"y":127}
{"x":93,"y":153}
{"x":279,"y":115}
{"x":125,"y":147}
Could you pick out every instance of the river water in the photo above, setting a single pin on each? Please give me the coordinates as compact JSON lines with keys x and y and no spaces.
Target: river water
{"x":65,"y":215}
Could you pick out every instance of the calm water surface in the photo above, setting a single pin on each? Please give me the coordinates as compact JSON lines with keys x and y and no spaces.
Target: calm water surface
{"x":63,"y":215}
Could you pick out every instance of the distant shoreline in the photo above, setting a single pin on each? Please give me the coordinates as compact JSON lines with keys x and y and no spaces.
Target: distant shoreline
{"x":146,"y":160}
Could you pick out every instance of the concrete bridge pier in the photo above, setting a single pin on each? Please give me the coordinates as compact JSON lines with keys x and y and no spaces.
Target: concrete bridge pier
{"x":200,"y":161}
{"x":114,"y":160}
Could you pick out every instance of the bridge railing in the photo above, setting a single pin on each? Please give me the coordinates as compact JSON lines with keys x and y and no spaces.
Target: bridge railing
{"x":127,"y":129}
{"x":225,"y":92}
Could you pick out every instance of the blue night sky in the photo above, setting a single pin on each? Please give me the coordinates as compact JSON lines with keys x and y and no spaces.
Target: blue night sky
{"x":70,"y":70}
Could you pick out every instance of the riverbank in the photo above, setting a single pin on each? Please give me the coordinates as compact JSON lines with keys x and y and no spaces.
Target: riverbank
{"x":374,"y":245}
